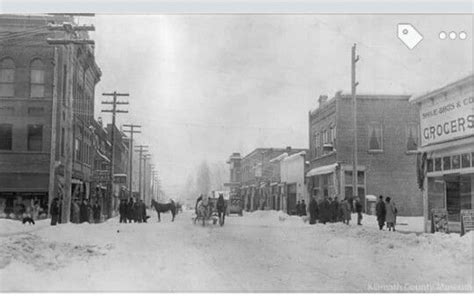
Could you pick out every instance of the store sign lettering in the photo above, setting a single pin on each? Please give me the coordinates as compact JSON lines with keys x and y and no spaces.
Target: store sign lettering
{"x":446,"y":120}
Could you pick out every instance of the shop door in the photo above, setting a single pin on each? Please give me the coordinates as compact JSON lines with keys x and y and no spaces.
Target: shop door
{"x":291,"y":199}
{"x":453,"y":198}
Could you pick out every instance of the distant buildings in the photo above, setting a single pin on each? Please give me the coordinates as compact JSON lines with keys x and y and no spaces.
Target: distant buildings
{"x":387,"y":140}
{"x":446,"y":164}
{"x":258,"y":179}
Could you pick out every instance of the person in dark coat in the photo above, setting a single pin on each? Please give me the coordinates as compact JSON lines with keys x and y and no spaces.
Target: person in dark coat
{"x":380,"y":212}
{"x":298,"y":208}
{"x":137,"y":209}
{"x":335,"y":214}
{"x":54,"y":211}
{"x":96,"y":212}
{"x":350,"y":200}
{"x":143,"y":211}
{"x":303,"y":208}
{"x":324,"y":211}
{"x":123,"y":211}
{"x":130,"y":213}
{"x":358,"y":208}
{"x":60,"y":206}
{"x":84,"y":212}
{"x":313,"y":211}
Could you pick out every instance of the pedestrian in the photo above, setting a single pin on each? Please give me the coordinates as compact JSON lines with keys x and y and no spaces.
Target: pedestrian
{"x":313,"y":211}
{"x":130,"y":210}
{"x":298,"y":208}
{"x":335,"y":210}
{"x":350,"y":200}
{"x":137,"y":211}
{"x":54,"y":211}
{"x":123,"y":211}
{"x":345,"y":211}
{"x":60,"y":205}
{"x":36,"y":210}
{"x":380,"y":212}
{"x":303,"y":208}
{"x":75,"y":209}
{"x":391,"y":214}
{"x":96,"y":212}
{"x":325,"y":211}
{"x":358,"y":208}
{"x":143,"y":211}
{"x":83,"y":212}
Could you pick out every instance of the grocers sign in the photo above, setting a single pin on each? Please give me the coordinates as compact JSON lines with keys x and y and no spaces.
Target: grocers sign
{"x":446,"y":119}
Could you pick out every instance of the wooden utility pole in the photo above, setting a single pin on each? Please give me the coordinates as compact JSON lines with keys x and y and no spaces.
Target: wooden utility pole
{"x":130,"y":154}
{"x":354,"y":83}
{"x":141,"y":149}
{"x":114,"y":111}
{"x":54,"y":108}
{"x":70,"y":33}
{"x":145,"y":185}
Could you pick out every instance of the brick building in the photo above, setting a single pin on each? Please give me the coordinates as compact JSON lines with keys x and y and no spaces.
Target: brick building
{"x":387,"y":139}
{"x":33,"y":82}
{"x":260,"y":178}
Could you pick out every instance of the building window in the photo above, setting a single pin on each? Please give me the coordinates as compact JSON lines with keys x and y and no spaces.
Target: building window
{"x":375,"y":137}
{"x":7,"y":78}
{"x":36,"y":79}
{"x":316,"y":145}
{"x":446,"y":163}
{"x":6,"y":136}
{"x":466,"y":160}
{"x":429,"y":165}
{"x":348,"y":189}
{"x":35,"y":137}
{"x":437,"y":165}
{"x":412,"y":137}
{"x":7,"y":111}
{"x":35,"y":111}
{"x":456,"y":162}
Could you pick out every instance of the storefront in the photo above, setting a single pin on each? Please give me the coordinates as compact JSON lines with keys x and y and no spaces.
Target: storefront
{"x":22,"y":194}
{"x":447,"y":151}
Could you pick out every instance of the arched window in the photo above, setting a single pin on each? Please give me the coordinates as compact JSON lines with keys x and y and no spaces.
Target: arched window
{"x":7,"y":77}
{"x":36,"y":79}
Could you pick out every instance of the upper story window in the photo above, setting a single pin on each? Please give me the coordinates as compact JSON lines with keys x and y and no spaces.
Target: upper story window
{"x":36,"y":79}
{"x":412,"y":137}
{"x":35,"y":137}
{"x":6,"y":136}
{"x":375,"y":137}
{"x":7,"y":77}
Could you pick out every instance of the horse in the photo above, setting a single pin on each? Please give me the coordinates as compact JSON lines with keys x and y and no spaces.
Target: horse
{"x":202,"y":212}
{"x":163,"y":208}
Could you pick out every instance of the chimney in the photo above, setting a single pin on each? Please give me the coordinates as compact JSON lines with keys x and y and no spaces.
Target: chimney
{"x":322,"y":99}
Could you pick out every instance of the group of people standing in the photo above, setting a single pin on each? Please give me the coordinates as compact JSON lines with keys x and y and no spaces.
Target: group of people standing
{"x":132,"y":211}
{"x":386,"y":211}
{"x":81,"y":211}
{"x":331,"y":210}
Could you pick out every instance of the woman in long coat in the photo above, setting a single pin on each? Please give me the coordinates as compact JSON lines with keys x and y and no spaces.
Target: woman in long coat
{"x":313,"y":211}
{"x":345,"y":211}
{"x":391,"y":214}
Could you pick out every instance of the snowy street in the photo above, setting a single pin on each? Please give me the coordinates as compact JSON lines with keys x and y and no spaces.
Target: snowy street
{"x":259,"y":252}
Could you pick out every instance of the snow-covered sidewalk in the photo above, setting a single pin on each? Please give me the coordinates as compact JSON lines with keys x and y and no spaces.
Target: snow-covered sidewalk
{"x":259,"y":252}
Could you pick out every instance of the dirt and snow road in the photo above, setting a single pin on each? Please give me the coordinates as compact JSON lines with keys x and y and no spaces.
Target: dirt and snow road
{"x":260,"y":252}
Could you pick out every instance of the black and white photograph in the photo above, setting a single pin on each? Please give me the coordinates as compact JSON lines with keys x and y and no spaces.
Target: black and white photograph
{"x":236,"y":153}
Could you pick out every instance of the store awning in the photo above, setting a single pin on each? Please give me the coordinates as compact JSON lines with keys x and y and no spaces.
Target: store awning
{"x":322,"y":170}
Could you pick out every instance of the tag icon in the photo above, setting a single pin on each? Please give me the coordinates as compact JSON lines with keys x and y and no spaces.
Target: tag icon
{"x":409,"y":35}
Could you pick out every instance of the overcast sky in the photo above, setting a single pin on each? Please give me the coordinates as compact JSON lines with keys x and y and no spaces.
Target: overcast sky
{"x":204,"y":86}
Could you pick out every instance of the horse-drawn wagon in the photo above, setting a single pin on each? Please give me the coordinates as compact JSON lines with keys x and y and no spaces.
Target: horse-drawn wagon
{"x":205,"y":213}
